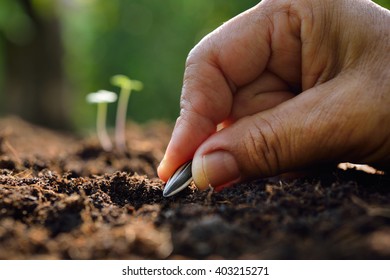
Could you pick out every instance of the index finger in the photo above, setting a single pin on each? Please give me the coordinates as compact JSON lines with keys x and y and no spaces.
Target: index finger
{"x":230,"y":57}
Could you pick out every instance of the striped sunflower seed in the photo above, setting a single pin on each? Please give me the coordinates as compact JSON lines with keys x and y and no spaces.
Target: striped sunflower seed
{"x":179,"y":180}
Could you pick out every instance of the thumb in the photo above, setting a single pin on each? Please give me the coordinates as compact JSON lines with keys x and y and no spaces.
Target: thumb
{"x":299,"y":132}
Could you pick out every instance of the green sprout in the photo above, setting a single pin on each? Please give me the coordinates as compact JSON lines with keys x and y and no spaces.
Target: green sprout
{"x":102,"y":98}
{"x":126,"y":85}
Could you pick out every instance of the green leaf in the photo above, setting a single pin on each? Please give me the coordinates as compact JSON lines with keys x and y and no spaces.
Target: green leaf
{"x":124,"y":82}
{"x":121,"y":81}
{"x":136,"y":85}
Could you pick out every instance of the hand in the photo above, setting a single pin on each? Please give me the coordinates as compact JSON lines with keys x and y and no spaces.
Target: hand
{"x":294,"y":84}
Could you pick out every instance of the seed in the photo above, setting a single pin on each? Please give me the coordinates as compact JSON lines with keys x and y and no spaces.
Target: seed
{"x":179,"y":180}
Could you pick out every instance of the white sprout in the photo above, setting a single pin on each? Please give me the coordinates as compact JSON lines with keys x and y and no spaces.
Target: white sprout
{"x":126,"y":86}
{"x":102,"y":98}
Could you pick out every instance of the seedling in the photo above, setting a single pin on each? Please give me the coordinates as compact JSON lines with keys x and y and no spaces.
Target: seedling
{"x":102,"y":98}
{"x":126,"y":86}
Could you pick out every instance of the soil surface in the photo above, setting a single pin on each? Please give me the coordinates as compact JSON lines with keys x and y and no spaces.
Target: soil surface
{"x":63,"y":197}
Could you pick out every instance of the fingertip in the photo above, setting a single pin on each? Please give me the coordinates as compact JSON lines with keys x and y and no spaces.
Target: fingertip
{"x":161,"y":171}
{"x":165,"y":169}
{"x":186,"y":138}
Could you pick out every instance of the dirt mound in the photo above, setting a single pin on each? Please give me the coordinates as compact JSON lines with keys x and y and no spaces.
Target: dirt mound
{"x":63,"y":197}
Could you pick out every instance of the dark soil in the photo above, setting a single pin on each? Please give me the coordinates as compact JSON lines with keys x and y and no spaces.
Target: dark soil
{"x":63,"y":197}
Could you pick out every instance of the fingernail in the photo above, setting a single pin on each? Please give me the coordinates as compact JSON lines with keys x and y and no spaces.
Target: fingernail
{"x":216,"y":169}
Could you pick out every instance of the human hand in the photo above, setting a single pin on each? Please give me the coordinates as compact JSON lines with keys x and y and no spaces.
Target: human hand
{"x":295,"y":84}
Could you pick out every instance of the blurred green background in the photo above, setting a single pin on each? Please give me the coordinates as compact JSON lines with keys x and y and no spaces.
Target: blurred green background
{"x":54,"y":52}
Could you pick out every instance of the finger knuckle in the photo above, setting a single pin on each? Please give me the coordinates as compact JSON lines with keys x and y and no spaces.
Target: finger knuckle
{"x":263,"y":148}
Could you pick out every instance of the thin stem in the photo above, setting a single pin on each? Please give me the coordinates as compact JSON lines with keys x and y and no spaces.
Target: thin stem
{"x":102,"y":134}
{"x":120,"y":127}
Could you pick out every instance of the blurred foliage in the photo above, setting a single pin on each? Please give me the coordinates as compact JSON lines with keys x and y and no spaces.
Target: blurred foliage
{"x":2,"y":101}
{"x":16,"y":28}
{"x":383,"y":3}
{"x":147,"y":40}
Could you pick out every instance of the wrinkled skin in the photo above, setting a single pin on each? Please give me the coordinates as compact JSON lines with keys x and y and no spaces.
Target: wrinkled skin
{"x":294,"y":84}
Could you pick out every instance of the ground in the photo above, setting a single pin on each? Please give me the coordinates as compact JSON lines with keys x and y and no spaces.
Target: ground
{"x":63,"y":197}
